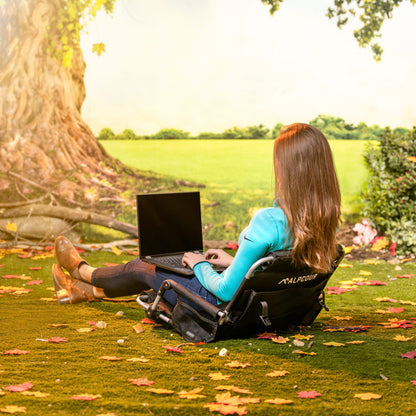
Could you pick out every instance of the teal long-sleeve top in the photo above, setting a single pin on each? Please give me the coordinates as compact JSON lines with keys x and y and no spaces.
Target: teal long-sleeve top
{"x":266,"y":232}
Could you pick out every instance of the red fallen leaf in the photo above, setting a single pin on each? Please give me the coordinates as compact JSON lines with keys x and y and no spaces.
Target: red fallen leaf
{"x":1,"y":265}
{"x":232,"y":246}
{"x":35,"y":268}
{"x":133,"y":253}
{"x":147,"y":321}
{"x":87,"y":397}
{"x":10,"y":276}
{"x":308,"y":394}
{"x":338,"y":290}
{"x":413,"y":382}
{"x":267,"y":335}
{"x":49,"y":248}
{"x":92,"y":323}
{"x":141,"y":381}
{"x":34,"y":282}
{"x":57,"y":340}
{"x":372,"y":283}
{"x":410,"y":355}
{"x":395,"y":310}
{"x":173,"y":349}
{"x":404,"y":276}
{"x":80,"y":250}
{"x":20,"y":387}
{"x":16,"y":352}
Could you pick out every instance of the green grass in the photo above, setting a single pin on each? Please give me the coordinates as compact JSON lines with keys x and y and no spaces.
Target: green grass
{"x":243,"y":168}
{"x":338,"y":373}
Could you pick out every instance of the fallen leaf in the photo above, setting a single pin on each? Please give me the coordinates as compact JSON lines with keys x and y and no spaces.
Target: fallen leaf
{"x":277,"y":373}
{"x":367,"y":396}
{"x":34,"y":282}
{"x":13,"y":409}
{"x":345,"y":266}
{"x":85,"y":330}
{"x":404,"y":276}
{"x":342,"y":318}
{"x":333,"y":344}
{"x":278,"y":401}
{"x":236,"y":364}
{"x":303,"y":352}
{"x":35,"y":394}
{"x":137,"y":360}
{"x":147,"y":321}
{"x":98,"y":48}
{"x":365,"y":273}
{"x":192,"y":394}
{"x":87,"y":397}
{"x":58,"y":325}
{"x":116,"y":250}
{"x":266,"y":335}
{"x":402,"y":338}
{"x":20,"y":387}
{"x":304,"y":337}
{"x":410,"y":355}
{"x":234,"y":389}
{"x":308,"y":394}
{"x":110,"y":358}
{"x":11,"y":226}
{"x":280,"y":340}
{"x":226,"y":409}
{"x":160,"y":391}
{"x":173,"y":349}
{"x":371,"y":261}
{"x":16,"y":352}
{"x":35,"y":268}
{"x":141,"y":381}
{"x":138,"y":329}
{"x":386,"y":300}
{"x":355,"y":342}
{"x":218,"y":376}
{"x":57,"y":340}
{"x":226,"y":398}
{"x":395,"y":310}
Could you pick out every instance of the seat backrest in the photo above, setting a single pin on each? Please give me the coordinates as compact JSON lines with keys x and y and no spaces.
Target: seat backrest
{"x":278,"y":293}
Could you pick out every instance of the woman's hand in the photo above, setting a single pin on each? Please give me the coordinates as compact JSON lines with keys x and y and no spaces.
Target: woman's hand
{"x":218,"y":257}
{"x":190,"y":259}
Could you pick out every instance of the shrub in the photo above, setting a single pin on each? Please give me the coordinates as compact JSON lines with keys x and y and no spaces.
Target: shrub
{"x":390,"y":197}
{"x":171,"y":134}
{"x":106,"y":134}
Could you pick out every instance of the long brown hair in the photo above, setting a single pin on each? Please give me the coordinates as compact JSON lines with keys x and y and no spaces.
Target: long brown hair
{"x":307,"y":190}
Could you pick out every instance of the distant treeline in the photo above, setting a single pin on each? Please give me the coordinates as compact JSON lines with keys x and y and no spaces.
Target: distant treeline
{"x":334,"y":128}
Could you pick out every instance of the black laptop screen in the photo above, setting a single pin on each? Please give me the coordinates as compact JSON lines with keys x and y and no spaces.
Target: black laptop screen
{"x":169,"y":223}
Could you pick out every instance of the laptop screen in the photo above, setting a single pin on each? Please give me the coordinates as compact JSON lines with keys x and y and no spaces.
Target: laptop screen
{"x":169,"y":223}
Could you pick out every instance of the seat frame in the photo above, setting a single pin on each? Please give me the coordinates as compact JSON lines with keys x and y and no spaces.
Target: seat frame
{"x":274,"y":294}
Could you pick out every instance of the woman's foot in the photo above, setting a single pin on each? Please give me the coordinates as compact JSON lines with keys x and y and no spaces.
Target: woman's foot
{"x":68,"y":257}
{"x":69,"y":290}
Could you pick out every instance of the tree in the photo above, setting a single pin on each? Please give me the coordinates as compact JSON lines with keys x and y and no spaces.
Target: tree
{"x":47,"y":150}
{"x":371,"y":15}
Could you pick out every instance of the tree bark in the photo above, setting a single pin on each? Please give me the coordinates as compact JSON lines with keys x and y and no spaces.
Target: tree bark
{"x":45,"y":146}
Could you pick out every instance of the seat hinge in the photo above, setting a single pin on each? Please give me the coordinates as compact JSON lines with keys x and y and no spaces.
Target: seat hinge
{"x":265,"y":313}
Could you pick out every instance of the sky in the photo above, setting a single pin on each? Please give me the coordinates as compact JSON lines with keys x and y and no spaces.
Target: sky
{"x":208,"y":65}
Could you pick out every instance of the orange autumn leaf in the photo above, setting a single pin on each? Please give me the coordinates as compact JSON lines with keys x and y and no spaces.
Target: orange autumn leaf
{"x":355,"y":342}
{"x":160,"y":391}
{"x":141,"y":381}
{"x":250,"y":400}
{"x":58,"y":325}
{"x":137,"y":360}
{"x":13,"y":409}
{"x":278,"y":401}
{"x":341,"y":318}
{"x":280,"y":340}
{"x":226,"y":409}
{"x":277,"y":373}
{"x":411,"y":159}
{"x":218,"y":376}
{"x":226,"y":398}
{"x":367,"y":396}
{"x":16,"y":352}
{"x":236,"y":364}
{"x":303,"y":337}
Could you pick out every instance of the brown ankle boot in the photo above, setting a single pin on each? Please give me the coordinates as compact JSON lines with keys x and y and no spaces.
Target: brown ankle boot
{"x":68,"y":257}
{"x":69,"y":290}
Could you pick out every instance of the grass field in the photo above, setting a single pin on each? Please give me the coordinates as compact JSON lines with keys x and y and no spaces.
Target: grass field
{"x":241,"y":167}
{"x":238,"y":175}
{"x":68,"y":355}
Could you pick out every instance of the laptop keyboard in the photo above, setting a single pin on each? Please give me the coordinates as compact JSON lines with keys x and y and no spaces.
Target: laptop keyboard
{"x":171,"y":261}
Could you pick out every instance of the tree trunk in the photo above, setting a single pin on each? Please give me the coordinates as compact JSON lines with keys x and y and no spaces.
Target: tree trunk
{"x":45,"y":146}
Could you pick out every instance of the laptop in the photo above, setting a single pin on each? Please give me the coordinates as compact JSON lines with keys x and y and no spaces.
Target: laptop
{"x":169,"y":225}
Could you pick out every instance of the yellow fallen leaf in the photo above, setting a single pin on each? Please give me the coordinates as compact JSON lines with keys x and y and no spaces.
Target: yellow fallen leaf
{"x":192,"y":394}
{"x":303,"y":337}
{"x":34,"y":393}
{"x":218,"y":376}
{"x":371,"y":261}
{"x":367,"y":396}
{"x":280,"y":340}
{"x":85,"y":330}
{"x":342,"y":318}
{"x":110,"y":358}
{"x":278,"y":401}
{"x":13,"y":409}
{"x":333,"y":344}
{"x":355,"y":342}
{"x":236,"y":364}
{"x":234,"y":389}
{"x":226,"y":398}
{"x":160,"y":391}
{"x":365,"y":273}
{"x":303,"y":352}
{"x":11,"y":226}
{"x":116,"y":250}
{"x":402,"y":338}
{"x":138,"y":360}
{"x":277,"y":373}
{"x":345,"y":266}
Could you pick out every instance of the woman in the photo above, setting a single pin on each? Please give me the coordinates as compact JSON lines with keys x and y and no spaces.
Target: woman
{"x":305,"y":216}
